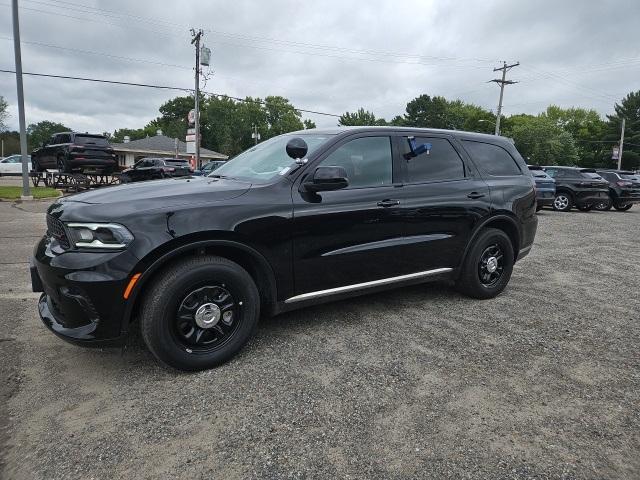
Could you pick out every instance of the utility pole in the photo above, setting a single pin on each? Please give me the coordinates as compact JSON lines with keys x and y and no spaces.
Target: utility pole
{"x":26,"y":191}
{"x":196,"y":40}
{"x":502,"y":82}
{"x":621,"y":144}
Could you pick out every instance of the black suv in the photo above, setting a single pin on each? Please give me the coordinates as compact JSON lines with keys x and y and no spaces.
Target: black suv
{"x":299,"y":219}
{"x":579,"y":187}
{"x":153,"y":168}
{"x":624,"y":189}
{"x":68,"y":152}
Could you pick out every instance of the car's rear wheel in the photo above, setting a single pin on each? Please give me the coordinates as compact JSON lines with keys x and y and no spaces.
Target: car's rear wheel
{"x":603,"y":205}
{"x":538,"y":208}
{"x":63,"y":165}
{"x":562,"y":202}
{"x":199,"y":313}
{"x":622,"y":207}
{"x":488,"y":265}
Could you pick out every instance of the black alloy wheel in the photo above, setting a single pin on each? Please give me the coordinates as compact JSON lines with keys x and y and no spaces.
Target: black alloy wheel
{"x":206,"y":318}
{"x":491,"y":265}
{"x":487,"y":267}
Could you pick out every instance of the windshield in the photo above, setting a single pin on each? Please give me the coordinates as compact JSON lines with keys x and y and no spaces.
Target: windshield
{"x":265,"y":161}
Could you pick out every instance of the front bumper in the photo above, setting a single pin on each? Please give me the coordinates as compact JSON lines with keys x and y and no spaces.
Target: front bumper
{"x":82,"y":298}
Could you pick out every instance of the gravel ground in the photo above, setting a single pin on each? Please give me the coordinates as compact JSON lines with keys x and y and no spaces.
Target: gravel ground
{"x":541,"y":382}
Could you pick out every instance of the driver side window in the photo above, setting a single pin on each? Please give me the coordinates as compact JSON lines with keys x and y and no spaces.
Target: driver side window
{"x":367,"y":161}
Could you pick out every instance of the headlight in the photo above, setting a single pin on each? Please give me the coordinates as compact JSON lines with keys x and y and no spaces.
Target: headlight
{"x":99,"y":235}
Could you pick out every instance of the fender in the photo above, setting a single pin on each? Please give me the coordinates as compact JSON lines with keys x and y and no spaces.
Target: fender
{"x":500,"y":217}
{"x":161,"y":261}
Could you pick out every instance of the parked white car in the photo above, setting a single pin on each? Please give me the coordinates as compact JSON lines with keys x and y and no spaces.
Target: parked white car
{"x":12,"y":165}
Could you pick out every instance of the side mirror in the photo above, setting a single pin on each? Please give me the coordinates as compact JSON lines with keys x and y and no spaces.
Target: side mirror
{"x":297,"y":148}
{"x":326,"y":179}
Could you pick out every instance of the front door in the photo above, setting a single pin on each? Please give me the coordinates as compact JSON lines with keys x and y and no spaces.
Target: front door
{"x":353,"y":235}
{"x":441,"y":202}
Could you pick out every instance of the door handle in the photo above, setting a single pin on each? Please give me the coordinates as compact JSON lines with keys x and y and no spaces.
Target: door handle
{"x":388,"y":203}
{"x":475,"y":195}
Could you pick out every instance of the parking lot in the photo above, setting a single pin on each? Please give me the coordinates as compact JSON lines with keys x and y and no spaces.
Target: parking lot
{"x":541,"y":382}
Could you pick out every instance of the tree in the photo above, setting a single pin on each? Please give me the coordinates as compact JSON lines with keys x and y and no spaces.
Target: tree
{"x":38,"y":133}
{"x":11,"y":142}
{"x":629,"y":109}
{"x":361,"y":117}
{"x":540,"y":141}
{"x":308,"y":124}
{"x":437,"y":112}
{"x":4,"y":114}
{"x":587,"y":129}
{"x":282,"y":117}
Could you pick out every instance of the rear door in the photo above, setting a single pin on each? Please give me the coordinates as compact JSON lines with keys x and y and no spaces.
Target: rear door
{"x":442,"y":200}
{"x":346,"y":237}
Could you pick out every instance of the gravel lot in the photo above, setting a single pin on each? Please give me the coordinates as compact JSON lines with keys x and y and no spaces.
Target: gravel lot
{"x":542,"y":382}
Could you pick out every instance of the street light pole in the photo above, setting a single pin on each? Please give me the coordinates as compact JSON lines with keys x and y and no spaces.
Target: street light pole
{"x":621,"y":144}
{"x":196,"y":41}
{"x":26,"y":191}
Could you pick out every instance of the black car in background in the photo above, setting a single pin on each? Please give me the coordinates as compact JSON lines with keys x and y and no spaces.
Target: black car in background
{"x":70,"y":152}
{"x":579,"y":187}
{"x":155,"y":168}
{"x":299,"y":219}
{"x":209,"y":167}
{"x":545,"y":187}
{"x":624,"y":189}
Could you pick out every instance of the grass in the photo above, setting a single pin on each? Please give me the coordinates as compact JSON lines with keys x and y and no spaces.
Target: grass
{"x":14,"y":192}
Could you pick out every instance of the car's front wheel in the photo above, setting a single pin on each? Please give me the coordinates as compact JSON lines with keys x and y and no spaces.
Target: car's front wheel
{"x":35,"y":165}
{"x":199,"y":313}
{"x":562,"y":202}
{"x":488,"y":265}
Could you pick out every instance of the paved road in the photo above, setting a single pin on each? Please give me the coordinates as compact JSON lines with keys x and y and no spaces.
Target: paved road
{"x":541,"y":382}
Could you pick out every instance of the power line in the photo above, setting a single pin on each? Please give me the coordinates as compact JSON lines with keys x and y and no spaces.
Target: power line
{"x":162,"y":87}
{"x":173,"y":25}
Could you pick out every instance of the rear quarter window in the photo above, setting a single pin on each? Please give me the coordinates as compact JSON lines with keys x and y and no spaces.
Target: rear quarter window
{"x":492,"y":159}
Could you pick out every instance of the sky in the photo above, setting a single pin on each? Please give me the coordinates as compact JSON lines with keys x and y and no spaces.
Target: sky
{"x":328,"y":56}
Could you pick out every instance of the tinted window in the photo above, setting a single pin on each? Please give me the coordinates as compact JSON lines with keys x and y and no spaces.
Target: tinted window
{"x":89,"y":140}
{"x":628,"y":176}
{"x":591,"y":175}
{"x":177,"y":163}
{"x":441,"y":163}
{"x":492,"y":159}
{"x":367,"y":160}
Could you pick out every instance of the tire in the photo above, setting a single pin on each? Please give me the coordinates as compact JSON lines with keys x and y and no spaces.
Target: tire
{"x":473,"y":280}
{"x":622,"y":207}
{"x":604,"y":205}
{"x":538,"y":208}
{"x":585,"y":208}
{"x":35,"y":165}
{"x":63,"y":165}
{"x":562,"y":202}
{"x":183,"y":316}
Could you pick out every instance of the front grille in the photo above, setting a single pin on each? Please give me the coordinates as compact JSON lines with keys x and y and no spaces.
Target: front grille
{"x":55,"y":229}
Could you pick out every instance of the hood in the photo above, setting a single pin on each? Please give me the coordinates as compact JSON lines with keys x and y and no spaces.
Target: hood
{"x":163,"y":193}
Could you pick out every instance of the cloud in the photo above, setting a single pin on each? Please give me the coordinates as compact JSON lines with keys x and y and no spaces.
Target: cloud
{"x":330,"y":56}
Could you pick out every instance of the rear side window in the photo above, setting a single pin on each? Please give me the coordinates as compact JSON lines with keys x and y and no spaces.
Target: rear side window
{"x":441,"y":163}
{"x":492,"y":159}
{"x":89,"y":140}
{"x":367,"y":161}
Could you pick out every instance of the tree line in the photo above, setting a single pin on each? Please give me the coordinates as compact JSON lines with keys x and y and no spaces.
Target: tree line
{"x":557,"y":136}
